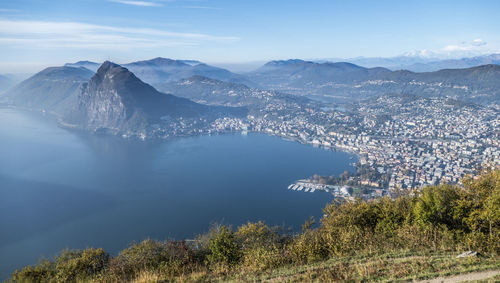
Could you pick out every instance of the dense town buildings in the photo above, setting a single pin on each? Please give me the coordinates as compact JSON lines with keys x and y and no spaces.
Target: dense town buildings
{"x":414,"y":141}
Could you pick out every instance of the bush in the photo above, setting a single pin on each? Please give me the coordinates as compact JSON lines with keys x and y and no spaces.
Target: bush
{"x":252,"y":235}
{"x":168,"y":258}
{"x":309,"y":246}
{"x":72,"y":265}
{"x":69,"y":266}
{"x":479,"y":204}
{"x":359,"y":214}
{"x":436,"y":206}
{"x":44,"y":271}
{"x":262,"y":247}
{"x":223,"y":249}
{"x":264,"y":258}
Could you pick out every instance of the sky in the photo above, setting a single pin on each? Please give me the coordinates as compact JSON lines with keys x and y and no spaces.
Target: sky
{"x":36,"y":33}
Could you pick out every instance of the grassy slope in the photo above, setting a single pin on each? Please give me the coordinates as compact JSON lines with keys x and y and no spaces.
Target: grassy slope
{"x":489,"y":280}
{"x":401,"y":267}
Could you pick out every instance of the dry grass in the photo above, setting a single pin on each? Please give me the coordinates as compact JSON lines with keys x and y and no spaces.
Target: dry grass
{"x":384,"y":268}
{"x":147,"y":277}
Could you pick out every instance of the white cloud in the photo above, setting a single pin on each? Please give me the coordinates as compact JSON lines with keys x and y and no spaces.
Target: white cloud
{"x":478,"y":42}
{"x":471,"y":48}
{"x":457,"y":50}
{"x":41,"y":34}
{"x":137,"y":3}
{"x":452,"y":48}
{"x":424,"y":53}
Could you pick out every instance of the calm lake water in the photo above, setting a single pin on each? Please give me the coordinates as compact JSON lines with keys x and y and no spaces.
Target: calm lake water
{"x":60,"y":189}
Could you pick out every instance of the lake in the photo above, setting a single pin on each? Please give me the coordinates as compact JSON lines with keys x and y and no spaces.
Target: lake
{"x":63,"y":189}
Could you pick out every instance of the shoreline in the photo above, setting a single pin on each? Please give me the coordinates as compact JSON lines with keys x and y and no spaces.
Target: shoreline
{"x":74,"y":127}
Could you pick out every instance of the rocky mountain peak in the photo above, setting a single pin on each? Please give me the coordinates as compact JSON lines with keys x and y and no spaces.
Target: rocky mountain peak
{"x":107,"y":66}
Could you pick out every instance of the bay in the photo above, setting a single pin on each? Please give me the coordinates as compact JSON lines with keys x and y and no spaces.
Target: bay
{"x":63,"y":189}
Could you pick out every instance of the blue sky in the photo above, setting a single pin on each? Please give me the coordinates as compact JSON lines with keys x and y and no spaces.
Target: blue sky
{"x":36,"y":33}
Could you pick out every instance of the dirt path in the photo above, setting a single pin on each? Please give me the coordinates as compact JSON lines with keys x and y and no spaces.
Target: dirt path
{"x":481,"y":275}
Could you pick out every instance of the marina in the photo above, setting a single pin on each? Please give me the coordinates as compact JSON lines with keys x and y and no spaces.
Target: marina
{"x":310,"y":187}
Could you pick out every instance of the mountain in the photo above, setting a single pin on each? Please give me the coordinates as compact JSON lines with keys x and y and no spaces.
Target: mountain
{"x":162,"y":70}
{"x":215,"y":92}
{"x":295,"y":74}
{"x":454,"y":63}
{"x":347,"y":82}
{"x":208,"y":91}
{"x":5,"y":83}
{"x":116,"y":101}
{"x":421,"y":62}
{"x":191,"y":62}
{"x":392,"y":63}
{"x":52,"y":89}
{"x":93,"y":66}
{"x":477,"y":84}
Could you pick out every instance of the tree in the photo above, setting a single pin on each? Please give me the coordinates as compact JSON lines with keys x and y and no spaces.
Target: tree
{"x":223,"y":248}
{"x":479,"y":205}
{"x":436,"y":205}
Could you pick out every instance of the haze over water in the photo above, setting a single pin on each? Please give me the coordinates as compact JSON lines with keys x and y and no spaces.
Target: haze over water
{"x":60,"y":189}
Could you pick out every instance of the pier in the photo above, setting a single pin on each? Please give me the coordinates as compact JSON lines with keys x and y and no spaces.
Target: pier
{"x":310,"y":187}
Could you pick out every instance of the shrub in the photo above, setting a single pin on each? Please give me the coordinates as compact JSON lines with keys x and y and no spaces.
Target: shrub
{"x":359,"y":214}
{"x":309,"y":246}
{"x":69,"y":266}
{"x":479,"y":204}
{"x":436,"y":205}
{"x":44,"y":271}
{"x":262,"y":247}
{"x":252,"y":235}
{"x":223,"y":249}
{"x":168,"y":258}
{"x":264,"y":258}
{"x":72,"y":265}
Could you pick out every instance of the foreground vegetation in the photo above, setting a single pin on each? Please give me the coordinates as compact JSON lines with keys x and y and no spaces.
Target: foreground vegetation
{"x":411,"y":237}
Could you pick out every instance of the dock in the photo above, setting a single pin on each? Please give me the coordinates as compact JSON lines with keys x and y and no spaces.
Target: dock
{"x":310,"y":187}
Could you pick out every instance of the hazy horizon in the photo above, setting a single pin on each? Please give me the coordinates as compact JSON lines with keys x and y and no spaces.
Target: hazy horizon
{"x":234,"y":33}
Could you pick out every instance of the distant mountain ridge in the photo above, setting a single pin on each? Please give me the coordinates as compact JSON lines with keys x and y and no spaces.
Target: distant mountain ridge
{"x":288,"y":82}
{"x":346,"y":81}
{"x":163,"y":70}
{"x":343,"y":80}
{"x":93,"y":66}
{"x":5,"y":83}
{"x":455,"y":63}
{"x":110,"y":100}
{"x":215,"y":92}
{"x":296,"y":73}
{"x":417,"y":62}
{"x":53,"y":89}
